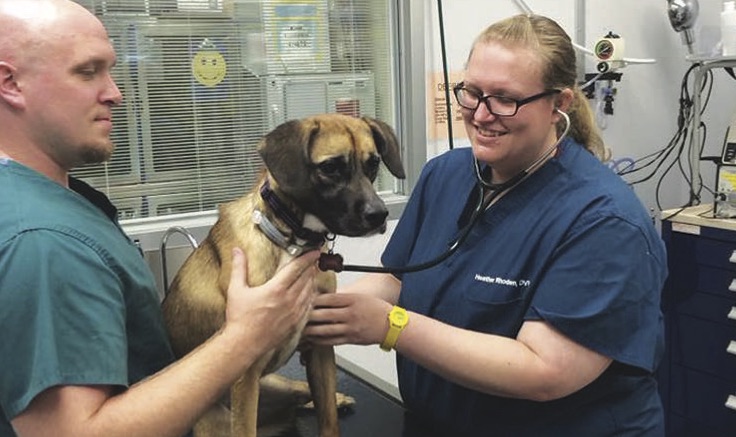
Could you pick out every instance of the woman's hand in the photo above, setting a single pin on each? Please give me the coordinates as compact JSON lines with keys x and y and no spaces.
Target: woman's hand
{"x":346,"y":318}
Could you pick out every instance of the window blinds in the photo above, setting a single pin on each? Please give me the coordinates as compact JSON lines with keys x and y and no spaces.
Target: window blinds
{"x":204,"y":80}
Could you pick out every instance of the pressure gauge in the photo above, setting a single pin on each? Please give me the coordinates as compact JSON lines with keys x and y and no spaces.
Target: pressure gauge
{"x":604,"y":49}
{"x":609,"y":48}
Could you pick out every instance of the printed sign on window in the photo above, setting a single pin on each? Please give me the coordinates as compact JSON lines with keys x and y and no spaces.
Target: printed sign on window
{"x":437,"y":113}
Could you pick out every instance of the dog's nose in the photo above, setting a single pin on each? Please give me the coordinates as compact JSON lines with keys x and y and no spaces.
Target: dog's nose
{"x":376,"y":218}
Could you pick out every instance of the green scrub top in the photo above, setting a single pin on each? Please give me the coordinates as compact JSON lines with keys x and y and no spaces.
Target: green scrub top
{"x":78,"y":303}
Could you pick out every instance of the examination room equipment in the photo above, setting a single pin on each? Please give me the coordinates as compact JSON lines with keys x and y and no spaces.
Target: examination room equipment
{"x":725,"y":196}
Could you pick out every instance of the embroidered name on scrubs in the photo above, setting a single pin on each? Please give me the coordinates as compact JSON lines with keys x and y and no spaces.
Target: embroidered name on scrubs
{"x":502,"y":281}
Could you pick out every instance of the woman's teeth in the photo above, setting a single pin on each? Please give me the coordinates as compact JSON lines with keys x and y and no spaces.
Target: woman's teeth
{"x":489,"y":133}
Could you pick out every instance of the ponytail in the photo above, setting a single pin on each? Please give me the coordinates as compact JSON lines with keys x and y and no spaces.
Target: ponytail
{"x":583,"y":127}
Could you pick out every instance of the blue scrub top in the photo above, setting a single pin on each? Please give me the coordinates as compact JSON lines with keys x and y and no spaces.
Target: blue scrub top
{"x":571,"y":245}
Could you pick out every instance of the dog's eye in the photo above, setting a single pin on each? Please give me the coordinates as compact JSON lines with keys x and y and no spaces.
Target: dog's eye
{"x":331,"y":168}
{"x":371,"y":167}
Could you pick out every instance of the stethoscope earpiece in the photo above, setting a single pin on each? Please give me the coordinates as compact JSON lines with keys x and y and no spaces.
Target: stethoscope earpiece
{"x":522,"y":174}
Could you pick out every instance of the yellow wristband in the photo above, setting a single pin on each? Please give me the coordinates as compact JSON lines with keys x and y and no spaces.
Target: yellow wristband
{"x":398,"y":318}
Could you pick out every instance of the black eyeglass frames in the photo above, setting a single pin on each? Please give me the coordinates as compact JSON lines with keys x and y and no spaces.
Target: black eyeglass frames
{"x":496,"y":105}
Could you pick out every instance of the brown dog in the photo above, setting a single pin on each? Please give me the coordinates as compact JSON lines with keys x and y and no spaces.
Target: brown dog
{"x":319,"y":181}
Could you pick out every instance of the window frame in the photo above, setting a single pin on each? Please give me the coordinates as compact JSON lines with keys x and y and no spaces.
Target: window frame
{"x":408,"y":57}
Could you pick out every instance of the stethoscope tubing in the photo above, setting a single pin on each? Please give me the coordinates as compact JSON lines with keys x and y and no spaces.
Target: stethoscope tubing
{"x":483,"y":202}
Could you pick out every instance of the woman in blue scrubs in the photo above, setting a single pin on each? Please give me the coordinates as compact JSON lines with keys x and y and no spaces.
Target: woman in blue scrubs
{"x":546,"y":320}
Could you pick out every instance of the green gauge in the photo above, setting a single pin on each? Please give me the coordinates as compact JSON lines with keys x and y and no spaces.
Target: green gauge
{"x":604,"y":49}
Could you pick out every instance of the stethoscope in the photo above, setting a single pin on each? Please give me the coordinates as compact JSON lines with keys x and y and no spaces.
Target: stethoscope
{"x":488,"y":192}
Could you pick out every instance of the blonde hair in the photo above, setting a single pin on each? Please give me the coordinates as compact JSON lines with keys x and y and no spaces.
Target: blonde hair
{"x":556,"y":54}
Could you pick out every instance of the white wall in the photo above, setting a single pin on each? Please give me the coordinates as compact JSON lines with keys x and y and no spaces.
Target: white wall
{"x":645,"y":108}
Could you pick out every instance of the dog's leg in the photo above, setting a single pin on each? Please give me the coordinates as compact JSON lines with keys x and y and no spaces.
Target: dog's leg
{"x":278,"y":390}
{"x":322,"y":378}
{"x":244,"y":404}
{"x":214,"y":423}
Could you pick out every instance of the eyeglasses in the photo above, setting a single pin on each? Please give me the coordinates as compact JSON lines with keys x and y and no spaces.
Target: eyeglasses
{"x":496,"y":105}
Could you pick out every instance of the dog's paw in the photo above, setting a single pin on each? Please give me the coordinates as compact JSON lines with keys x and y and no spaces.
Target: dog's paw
{"x":343,"y":401}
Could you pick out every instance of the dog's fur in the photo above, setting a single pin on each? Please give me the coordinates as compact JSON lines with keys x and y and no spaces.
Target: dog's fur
{"x":322,"y":168}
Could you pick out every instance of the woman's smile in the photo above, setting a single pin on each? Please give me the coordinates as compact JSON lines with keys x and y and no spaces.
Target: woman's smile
{"x":489,"y":132}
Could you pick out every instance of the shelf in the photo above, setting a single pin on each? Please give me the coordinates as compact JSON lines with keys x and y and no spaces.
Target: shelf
{"x":700,"y":215}
{"x":711,"y":59}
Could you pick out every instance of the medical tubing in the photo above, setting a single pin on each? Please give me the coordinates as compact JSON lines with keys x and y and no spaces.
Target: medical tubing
{"x":445,"y":74}
{"x":450,"y":136}
{"x":482,"y":205}
{"x":495,"y":189}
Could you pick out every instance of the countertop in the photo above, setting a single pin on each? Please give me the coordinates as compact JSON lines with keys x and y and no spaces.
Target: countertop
{"x":374,"y":413}
{"x":689,"y":219}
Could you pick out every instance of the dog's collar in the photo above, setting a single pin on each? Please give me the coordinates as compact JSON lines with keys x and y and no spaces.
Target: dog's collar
{"x":301,"y":239}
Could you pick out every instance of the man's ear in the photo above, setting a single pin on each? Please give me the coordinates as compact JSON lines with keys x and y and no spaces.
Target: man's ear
{"x":10,"y":91}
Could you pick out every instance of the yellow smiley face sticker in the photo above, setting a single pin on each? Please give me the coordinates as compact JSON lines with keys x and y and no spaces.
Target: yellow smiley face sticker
{"x":209,"y":67}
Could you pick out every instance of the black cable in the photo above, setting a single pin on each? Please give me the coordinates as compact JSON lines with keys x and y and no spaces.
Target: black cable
{"x":446,"y":76}
{"x":730,"y":72}
{"x":333,"y":261}
{"x":683,"y":122}
{"x":695,"y":197}
{"x":330,"y":261}
{"x":665,"y":159}
{"x":426,"y":264}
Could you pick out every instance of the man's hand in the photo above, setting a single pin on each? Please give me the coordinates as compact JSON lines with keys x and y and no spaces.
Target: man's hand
{"x":269,"y":313}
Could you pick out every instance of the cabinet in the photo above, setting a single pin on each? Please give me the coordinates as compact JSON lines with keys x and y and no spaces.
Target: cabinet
{"x":698,"y":374}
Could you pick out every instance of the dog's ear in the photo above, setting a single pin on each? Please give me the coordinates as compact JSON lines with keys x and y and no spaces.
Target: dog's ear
{"x":285,"y":151}
{"x":387,"y":145}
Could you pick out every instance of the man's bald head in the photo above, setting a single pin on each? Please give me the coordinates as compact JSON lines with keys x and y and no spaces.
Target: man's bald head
{"x":56,"y":86}
{"x":31,"y":26}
